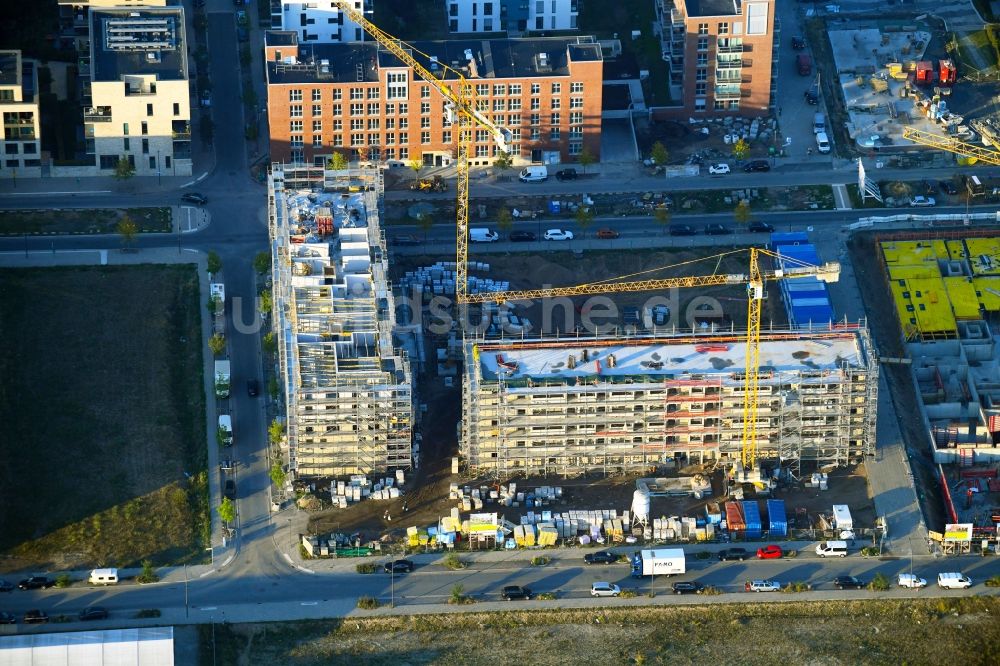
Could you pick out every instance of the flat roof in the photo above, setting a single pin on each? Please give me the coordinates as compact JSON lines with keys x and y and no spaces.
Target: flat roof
{"x":495,"y":59}
{"x":10,"y":68}
{"x":664,"y":359}
{"x":141,"y":646}
{"x":146,"y":40}
{"x":711,"y":7}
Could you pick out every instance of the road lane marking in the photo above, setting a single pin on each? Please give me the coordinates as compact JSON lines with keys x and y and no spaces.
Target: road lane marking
{"x":309,"y":603}
{"x":208,"y":608}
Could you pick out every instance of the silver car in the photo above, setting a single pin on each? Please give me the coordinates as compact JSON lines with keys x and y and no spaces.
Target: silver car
{"x":604,"y":589}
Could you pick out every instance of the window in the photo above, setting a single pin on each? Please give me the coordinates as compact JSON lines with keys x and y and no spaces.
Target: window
{"x":177,"y":109}
{"x":145,"y":146}
{"x":404,"y":137}
{"x":338,"y":94}
{"x":482,"y":89}
{"x":700,"y":88}
{"x":357,"y":109}
{"x":404,"y":123}
{"x":357,"y":123}
{"x":554,"y":119}
{"x":404,"y":108}
{"x":499,"y":105}
{"x":295,"y":126}
{"x":317,"y":140}
{"x":723,"y":28}
{"x":373,"y":123}
{"x":576,"y":102}
{"x":536,"y":88}
{"x":295,"y":111}
{"x":397,"y":85}
{"x":317,"y":95}
{"x":317,"y":110}
{"x":317,"y":126}
{"x":373,"y":108}
{"x":296,"y":141}
{"x":127,"y":144}
{"x":373,"y":139}
{"x":357,"y":93}
{"x":556,"y":88}
{"x":425,"y":137}
{"x":499,"y":89}
{"x":556,"y":103}
{"x":338,"y":125}
{"x":11,"y":149}
{"x":404,"y":153}
{"x":149,"y":109}
{"x":358,"y":139}
{"x":554,"y":134}
{"x":702,"y":28}
{"x":513,"y":105}
{"x":425,"y":122}
{"x":533,"y":119}
{"x":338,"y":141}
{"x":513,"y":119}
{"x":575,"y":147}
{"x":576,"y":87}
{"x":575,"y":117}
{"x":425,"y":92}
{"x":390,"y":138}
{"x":30,"y":148}
{"x":734,"y":104}
{"x":446,"y":136}
{"x":390,"y":153}
{"x":425,"y":107}
{"x":373,"y":93}
{"x":338,"y":109}
{"x":152,"y":162}
{"x":515,"y":89}
{"x":702,"y":58}
{"x":719,"y":105}
{"x":294,"y":95}
{"x":535,"y":103}
{"x":144,"y":128}
{"x":701,"y":74}
{"x":703,"y":43}
{"x":390,"y":123}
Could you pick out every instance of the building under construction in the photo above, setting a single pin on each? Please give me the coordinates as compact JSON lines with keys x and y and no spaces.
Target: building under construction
{"x":612,"y":405}
{"x":346,"y":384}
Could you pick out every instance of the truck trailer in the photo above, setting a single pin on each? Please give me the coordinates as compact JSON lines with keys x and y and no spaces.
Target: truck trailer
{"x":661,"y":562}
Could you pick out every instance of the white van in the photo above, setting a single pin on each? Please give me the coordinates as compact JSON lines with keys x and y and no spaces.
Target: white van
{"x":954,"y":581}
{"x":483,"y":236}
{"x":822,"y":142}
{"x":832,"y":548}
{"x":533,"y":174}
{"x":819,"y":123}
{"x":103,"y":577}
{"x":226,"y":429}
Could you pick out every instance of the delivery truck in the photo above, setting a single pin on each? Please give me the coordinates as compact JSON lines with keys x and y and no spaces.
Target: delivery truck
{"x":661,"y":562}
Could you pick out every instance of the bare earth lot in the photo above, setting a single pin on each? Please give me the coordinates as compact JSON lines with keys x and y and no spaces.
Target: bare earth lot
{"x":83,"y":221}
{"x":944,"y":631}
{"x":102,"y":413}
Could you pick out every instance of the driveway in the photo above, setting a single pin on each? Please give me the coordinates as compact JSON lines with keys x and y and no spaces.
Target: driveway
{"x":617,"y":141}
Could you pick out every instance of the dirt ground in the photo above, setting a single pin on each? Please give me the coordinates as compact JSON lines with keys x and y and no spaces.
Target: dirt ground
{"x":529,"y":271}
{"x":83,"y":221}
{"x":102,"y":411}
{"x":832,"y":633}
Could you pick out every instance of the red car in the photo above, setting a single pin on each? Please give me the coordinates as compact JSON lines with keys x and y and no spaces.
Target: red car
{"x":771,"y":552}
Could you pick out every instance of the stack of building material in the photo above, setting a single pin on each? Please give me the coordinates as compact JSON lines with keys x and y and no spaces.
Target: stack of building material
{"x":524,"y":535}
{"x":777,"y":521}
{"x":548,"y":535}
{"x":751,"y":517}
{"x":713,"y":513}
{"x":734,"y":517}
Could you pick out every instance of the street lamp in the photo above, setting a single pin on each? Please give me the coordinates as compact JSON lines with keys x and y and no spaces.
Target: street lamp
{"x":159,"y":180}
{"x":186,"y":608}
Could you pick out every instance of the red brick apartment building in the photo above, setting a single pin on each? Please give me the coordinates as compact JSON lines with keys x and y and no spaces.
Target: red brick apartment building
{"x":360,"y":100}
{"x":720,"y":55}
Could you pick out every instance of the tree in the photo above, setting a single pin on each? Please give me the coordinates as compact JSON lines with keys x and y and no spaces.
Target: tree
{"x":659,"y":154}
{"x":337,"y":161}
{"x":505,"y":221}
{"x":217,"y":343}
{"x":503,"y":161}
{"x":262,"y":262}
{"x":662,"y":215}
{"x":741,"y":149}
{"x":246,"y":57}
{"x":416,"y":164}
{"x":742,"y":213}
{"x":276,"y":431}
{"x":277,"y":475}
{"x":148,"y":574}
{"x":584,"y":217}
{"x":214,"y":304}
{"x":266,"y":301}
{"x":124,"y":169}
{"x":227,"y":510}
{"x":128,"y":229}
{"x":273,"y":387}
{"x":425,"y":222}
{"x":214,"y":263}
{"x":585,"y":158}
{"x":270,"y":343}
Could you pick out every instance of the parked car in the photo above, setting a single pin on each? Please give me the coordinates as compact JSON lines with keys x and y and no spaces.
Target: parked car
{"x":609,"y":234}
{"x":682,"y":230}
{"x":719,"y":168}
{"x":911,"y":581}
{"x":717,"y":230}
{"x":848,"y":583}
{"x":605,"y":590}
{"x":728,"y":554}
{"x":6,"y":586}
{"x":35,"y":616}
{"x":522,"y":236}
{"x":920,"y":201}
{"x":230,"y":491}
{"x":404,"y":240}
{"x":763,"y":586}
{"x":94,"y":613}
{"x":36,"y":583}
{"x":756,"y":165}
{"x":398,"y":566}
{"x":566,"y":174}
{"x":558,"y":235}
{"x":195,"y":198}
{"x":688,"y":587}
{"x":798,"y":43}
{"x":206,"y":99}
{"x":949,"y":187}
{"x":600,"y":557}
{"x":953,"y":581}
{"x":822,"y":142}
{"x":7,"y":618}
{"x":515,"y":592}
{"x":812,"y":95}
{"x":760,"y":227}
{"x":772,"y":552}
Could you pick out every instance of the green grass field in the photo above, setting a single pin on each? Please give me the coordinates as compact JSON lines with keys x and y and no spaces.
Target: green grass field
{"x":102,"y":410}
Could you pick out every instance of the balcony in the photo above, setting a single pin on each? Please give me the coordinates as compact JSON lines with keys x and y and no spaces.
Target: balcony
{"x":725,"y":92}
{"x":730,"y":47}
{"x":139,"y":92}
{"x":100,"y":114}
{"x":181,"y":130}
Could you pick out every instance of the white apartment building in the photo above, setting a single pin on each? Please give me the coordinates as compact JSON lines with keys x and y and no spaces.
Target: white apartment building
{"x":514,"y":16}
{"x":19,"y":109}
{"x":347,"y":387}
{"x":318,"y":21}
{"x":139,"y":105}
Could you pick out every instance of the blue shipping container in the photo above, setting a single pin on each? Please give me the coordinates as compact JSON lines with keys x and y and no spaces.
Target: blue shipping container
{"x":751,"y":513}
{"x":776,"y":517}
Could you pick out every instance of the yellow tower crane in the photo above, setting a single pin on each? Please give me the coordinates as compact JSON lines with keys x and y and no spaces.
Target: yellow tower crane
{"x":462,"y":111}
{"x":952,"y":145}
{"x":785,"y":268}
